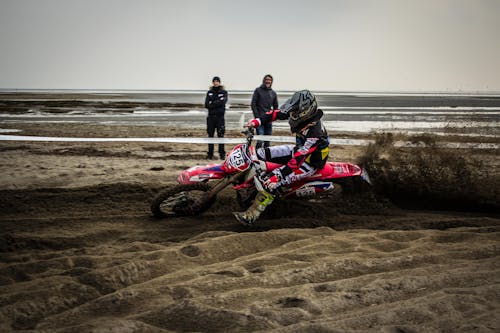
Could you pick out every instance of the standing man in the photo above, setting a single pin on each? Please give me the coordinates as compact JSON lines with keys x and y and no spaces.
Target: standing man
{"x":264,"y":99}
{"x":215,"y":102}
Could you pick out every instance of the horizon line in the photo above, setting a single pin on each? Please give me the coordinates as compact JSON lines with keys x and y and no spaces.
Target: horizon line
{"x":413,"y":92}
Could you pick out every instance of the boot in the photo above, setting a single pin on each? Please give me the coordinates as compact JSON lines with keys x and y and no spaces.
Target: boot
{"x":262,"y":200}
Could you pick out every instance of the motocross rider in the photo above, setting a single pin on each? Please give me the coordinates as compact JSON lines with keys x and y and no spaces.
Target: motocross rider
{"x":302,"y":160}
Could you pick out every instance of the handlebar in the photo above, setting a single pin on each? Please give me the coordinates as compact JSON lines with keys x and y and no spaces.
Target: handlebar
{"x":249,"y":133}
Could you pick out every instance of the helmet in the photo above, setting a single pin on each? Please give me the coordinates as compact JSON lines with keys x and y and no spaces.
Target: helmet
{"x":302,"y":109}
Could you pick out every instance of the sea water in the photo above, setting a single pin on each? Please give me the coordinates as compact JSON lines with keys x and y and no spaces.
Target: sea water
{"x":473,"y":114}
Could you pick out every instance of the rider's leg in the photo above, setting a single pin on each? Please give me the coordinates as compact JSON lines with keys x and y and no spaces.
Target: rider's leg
{"x":276,"y":154}
{"x":262,"y":200}
{"x":288,"y":176}
{"x":265,"y":198}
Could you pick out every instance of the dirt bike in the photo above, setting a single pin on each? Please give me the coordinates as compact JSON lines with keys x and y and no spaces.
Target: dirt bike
{"x":245,"y":173}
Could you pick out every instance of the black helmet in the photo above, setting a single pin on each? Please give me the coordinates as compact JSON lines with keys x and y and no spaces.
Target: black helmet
{"x":302,"y":108}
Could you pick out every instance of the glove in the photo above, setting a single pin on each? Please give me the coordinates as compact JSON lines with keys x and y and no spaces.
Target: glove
{"x":293,"y":164}
{"x":254,"y":123}
{"x":273,"y":113}
{"x":272,"y":183}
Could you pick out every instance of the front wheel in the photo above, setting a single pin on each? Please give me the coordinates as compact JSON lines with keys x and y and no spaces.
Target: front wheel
{"x":182,"y":200}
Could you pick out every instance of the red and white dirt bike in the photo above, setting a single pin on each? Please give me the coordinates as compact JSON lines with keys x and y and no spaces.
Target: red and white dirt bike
{"x":244,"y":172}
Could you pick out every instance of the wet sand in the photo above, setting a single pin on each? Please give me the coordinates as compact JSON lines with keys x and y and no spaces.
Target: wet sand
{"x":80,"y":251}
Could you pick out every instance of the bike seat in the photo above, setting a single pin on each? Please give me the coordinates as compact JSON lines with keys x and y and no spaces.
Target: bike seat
{"x":270,"y":166}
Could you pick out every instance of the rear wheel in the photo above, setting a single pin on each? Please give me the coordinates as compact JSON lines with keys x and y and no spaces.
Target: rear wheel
{"x":182,"y":200}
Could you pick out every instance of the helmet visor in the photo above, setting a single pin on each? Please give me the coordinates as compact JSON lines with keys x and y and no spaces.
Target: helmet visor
{"x":294,"y":115}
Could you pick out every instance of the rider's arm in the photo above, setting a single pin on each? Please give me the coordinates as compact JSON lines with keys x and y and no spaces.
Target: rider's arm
{"x":267,"y":117}
{"x":301,"y":153}
{"x":271,"y":116}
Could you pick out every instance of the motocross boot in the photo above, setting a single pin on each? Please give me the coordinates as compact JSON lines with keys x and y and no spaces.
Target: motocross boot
{"x":262,"y":200}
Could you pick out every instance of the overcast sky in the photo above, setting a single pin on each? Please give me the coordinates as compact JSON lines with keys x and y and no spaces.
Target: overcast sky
{"x":383,"y":45}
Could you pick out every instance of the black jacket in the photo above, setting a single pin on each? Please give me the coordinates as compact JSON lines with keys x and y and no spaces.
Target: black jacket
{"x":263,"y":100}
{"x":215,"y":101}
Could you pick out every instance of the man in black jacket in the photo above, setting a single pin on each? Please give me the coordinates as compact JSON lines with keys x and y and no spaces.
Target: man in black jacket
{"x":264,"y":99}
{"x":215,"y":102}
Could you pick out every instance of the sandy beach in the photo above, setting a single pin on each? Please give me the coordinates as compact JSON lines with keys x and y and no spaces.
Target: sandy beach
{"x":104,"y":105}
{"x":80,"y":251}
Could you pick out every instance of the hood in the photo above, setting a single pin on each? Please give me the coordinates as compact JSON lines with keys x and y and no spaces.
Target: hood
{"x":264,"y":79}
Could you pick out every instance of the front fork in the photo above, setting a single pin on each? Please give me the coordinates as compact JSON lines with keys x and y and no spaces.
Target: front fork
{"x":233,"y":179}
{"x":223,"y":184}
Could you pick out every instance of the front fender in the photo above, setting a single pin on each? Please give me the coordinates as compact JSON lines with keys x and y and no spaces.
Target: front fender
{"x":200,"y":173}
{"x":338,"y":170}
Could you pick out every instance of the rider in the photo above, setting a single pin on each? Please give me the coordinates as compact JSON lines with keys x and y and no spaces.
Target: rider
{"x":302,"y":160}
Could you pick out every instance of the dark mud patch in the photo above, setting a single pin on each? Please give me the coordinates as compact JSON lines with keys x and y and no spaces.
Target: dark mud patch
{"x":64,"y":106}
{"x":119,"y":198}
{"x":123,"y":201}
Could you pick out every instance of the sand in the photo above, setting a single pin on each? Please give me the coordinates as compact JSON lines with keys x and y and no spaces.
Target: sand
{"x":80,"y":251}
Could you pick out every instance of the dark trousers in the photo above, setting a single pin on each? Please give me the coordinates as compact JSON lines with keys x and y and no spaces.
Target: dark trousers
{"x":216,"y":123}
{"x":266,"y":129}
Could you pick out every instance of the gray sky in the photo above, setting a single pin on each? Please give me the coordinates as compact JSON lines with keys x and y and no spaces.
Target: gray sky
{"x":394,"y":45}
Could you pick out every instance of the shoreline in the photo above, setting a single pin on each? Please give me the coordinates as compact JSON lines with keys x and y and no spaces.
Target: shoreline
{"x":92,"y":130}
{"x":85,"y":91}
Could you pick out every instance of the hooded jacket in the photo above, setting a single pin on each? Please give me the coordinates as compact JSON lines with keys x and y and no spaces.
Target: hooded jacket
{"x":215,"y":101}
{"x":263,"y":100}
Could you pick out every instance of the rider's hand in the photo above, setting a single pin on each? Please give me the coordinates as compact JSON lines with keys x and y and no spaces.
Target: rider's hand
{"x":271,"y":184}
{"x":253,"y":123}
{"x":293,"y":164}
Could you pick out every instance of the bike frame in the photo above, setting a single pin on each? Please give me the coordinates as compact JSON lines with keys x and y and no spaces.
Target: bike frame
{"x":240,"y":164}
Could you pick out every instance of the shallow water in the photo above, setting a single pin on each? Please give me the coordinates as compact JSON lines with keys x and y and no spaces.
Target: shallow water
{"x":345,"y":112}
